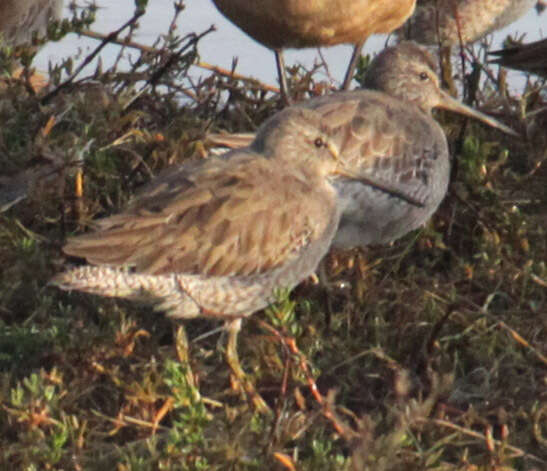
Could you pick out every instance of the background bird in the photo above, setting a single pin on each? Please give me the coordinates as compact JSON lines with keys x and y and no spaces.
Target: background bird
{"x":452,"y":22}
{"x":282,"y":24}
{"x":386,"y":133}
{"x":448,"y":23}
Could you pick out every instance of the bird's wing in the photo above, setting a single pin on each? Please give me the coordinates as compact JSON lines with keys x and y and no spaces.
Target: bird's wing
{"x":235,"y":215}
{"x":230,"y":140}
{"x":393,"y":143}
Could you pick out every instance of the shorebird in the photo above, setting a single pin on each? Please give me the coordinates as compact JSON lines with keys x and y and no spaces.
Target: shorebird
{"x":387,"y":133}
{"x":448,"y":23}
{"x":281,"y":24}
{"x":217,"y":238}
{"x":453,"y":22}
{"x":531,"y":57}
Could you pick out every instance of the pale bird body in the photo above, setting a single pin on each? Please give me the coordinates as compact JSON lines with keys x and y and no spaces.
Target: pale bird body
{"x":21,"y":19}
{"x":447,"y":22}
{"x":395,"y":143}
{"x":282,"y":24}
{"x":387,"y":133}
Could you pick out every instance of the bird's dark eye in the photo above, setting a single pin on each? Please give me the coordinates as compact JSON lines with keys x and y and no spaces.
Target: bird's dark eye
{"x":319,"y":142}
{"x":424,"y":76}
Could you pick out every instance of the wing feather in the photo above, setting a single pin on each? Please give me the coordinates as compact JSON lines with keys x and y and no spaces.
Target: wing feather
{"x":239,"y":214}
{"x":384,"y":141}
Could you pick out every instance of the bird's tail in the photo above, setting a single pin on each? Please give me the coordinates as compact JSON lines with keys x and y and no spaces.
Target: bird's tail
{"x":164,"y":291}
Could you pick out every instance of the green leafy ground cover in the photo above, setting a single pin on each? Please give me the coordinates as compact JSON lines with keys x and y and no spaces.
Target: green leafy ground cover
{"x":429,"y":354}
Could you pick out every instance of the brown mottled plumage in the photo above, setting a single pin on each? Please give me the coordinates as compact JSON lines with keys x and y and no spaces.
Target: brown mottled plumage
{"x":217,"y":237}
{"x":230,"y":217}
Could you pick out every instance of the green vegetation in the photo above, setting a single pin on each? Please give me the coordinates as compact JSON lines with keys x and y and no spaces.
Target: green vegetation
{"x":429,"y":354}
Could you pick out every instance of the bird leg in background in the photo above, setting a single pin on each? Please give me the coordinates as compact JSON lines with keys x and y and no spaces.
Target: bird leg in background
{"x":281,"y":73}
{"x":311,"y":23}
{"x":232,"y":358}
{"x":352,"y":64}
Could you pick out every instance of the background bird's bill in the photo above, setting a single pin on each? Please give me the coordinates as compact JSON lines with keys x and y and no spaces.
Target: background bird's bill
{"x":448,"y":103}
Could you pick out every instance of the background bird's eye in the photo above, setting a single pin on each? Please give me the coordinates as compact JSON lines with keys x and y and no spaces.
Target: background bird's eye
{"x":319,"y":142}
{"x":424,"y":76}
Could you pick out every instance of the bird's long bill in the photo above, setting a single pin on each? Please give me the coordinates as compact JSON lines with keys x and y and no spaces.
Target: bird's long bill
{"x":449,"y":103}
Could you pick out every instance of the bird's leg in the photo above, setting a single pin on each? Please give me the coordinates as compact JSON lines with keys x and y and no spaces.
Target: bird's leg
{"x":283,"y":86}
{"x":181,"y":346}
{"x":352,"y":64}
{"x":232,"y":359}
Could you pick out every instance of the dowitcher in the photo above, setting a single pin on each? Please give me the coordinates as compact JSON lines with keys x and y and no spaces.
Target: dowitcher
{"x":281,"y":24}
{"x":451,"y":22}
{"x":218,"y":237}
{"x":531,"y":57}
{"x":387,"y":133}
